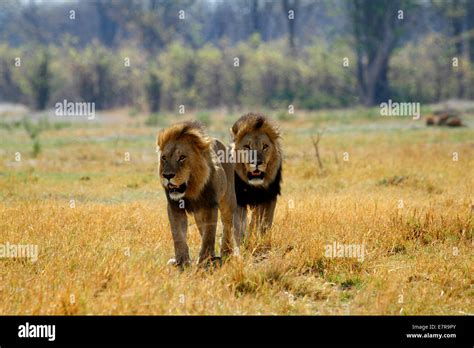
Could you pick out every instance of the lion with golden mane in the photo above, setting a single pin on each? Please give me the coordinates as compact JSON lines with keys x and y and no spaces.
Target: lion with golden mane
{"x":196,"y":182}
{"x":257,"y":182}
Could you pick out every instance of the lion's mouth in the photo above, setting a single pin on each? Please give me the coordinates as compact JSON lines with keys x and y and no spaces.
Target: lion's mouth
{"x":255,"y":175}
{"x":177,"y":188}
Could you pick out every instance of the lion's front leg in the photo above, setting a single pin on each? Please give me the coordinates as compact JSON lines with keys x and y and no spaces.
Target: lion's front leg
{"x":240,"y":224}
{"x":262,"y":217}
{"x":267,"y":216}
{"x":206,"y":221}
{"x":233,"y":221}
{"x":179,"y":225}
{"x":227,"y":218}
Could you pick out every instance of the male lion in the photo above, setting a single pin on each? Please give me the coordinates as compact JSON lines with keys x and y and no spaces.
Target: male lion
{"x":257,"y":182}
{"x":196,"y":182}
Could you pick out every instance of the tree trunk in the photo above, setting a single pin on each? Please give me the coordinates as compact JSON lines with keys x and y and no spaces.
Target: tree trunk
{"x":287,"y":6}
{"x":107,"y":26}
{"x":470,"y":28}
{"x":382,"y":91}
{"x":254,"y":13}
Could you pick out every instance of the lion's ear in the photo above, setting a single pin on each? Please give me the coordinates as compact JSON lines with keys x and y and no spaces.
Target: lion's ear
{"x":158,"y":138}
{"x":203,"y":142}
{"x":235,"y":129}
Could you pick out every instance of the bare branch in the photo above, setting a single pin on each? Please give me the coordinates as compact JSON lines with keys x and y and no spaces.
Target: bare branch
{"x":316,"y":147}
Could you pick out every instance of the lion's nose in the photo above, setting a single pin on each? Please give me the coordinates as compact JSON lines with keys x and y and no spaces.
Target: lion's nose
{"x":168,"y":176}
{"x":259,"y":162}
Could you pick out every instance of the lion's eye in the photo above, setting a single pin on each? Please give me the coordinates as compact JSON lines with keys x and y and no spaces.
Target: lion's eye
{"x":182,"y":158}
{"x":163,"y":158}
{"x":265,"y":146}
{"x":246,"y":147}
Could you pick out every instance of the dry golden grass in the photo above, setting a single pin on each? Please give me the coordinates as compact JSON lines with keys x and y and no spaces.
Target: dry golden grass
{"x":108,"y":254}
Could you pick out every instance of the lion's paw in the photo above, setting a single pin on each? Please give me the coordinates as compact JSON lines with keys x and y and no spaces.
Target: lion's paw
{"x":178,"y":263}
{"x":172,"y":262}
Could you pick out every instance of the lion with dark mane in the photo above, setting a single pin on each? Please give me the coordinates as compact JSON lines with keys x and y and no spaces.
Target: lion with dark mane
{"x":196,"y":182}
{"x":257,"y":182}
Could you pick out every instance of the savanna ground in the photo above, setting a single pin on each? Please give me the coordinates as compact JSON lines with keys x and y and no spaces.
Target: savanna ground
{"x":103,"y":236}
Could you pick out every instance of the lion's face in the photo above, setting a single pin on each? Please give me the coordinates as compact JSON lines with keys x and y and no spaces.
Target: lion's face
{"x":183,"y":167}
{"x":261,"y":154}
{"x":260,"y":143}
{"x":175,"y":170}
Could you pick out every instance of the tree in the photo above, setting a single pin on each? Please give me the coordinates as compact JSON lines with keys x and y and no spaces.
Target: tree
{"x":377,"y":27}
{"x":40,"y":80}
{"x":470,"y":28}
{"x":254,"y":17}
{"x":458,"y":17}
{"x":153,"y":91}
{"x":290,"y":5}
{"x":108,"y":26}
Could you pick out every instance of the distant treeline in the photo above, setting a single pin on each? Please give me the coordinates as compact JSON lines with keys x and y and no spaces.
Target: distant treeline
{"x":251,"y":73}
{"x":159,"y":54}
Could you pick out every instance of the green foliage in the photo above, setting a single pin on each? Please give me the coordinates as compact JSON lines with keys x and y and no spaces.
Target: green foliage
{"x":40,"y":80}
{"x":25,"y":75}
{"x":153,"y":91}
{"x":284,"y":116}
{"x":36,"y":147}
{"x":423,"y":72}
{"x":9,"y":84}
{"x":211,"y":82}
{"x":33,"y":130}
{"x":266,"y":75}
{"x":177,"y":72}
{"x":155,"y":119}
{"x":93,"y":76}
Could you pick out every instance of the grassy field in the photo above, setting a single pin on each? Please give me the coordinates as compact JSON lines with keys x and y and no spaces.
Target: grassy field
{"x":91,"y":201}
